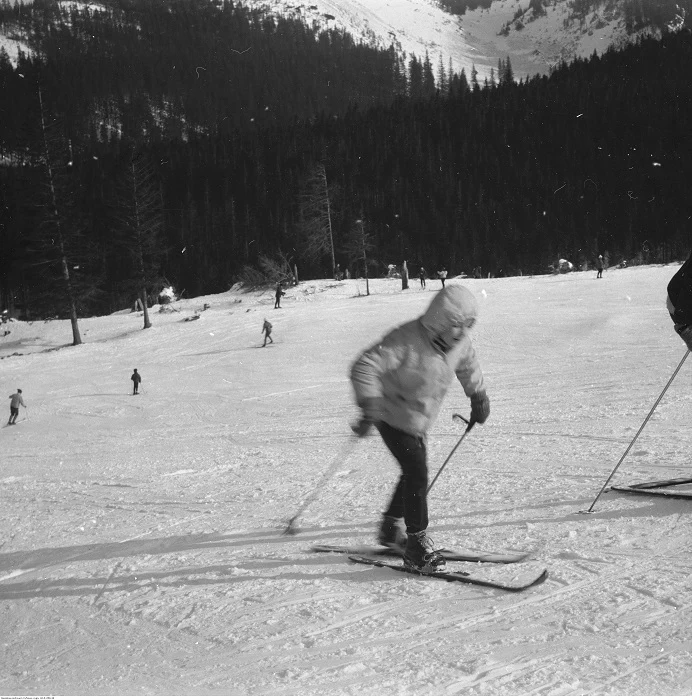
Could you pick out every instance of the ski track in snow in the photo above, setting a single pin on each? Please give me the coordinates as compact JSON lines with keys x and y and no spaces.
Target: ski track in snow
{"x":141,"y":535}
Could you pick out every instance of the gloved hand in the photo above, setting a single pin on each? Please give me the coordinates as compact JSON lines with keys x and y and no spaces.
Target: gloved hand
{"x":372,"y":413}
{"x":685,"y":332}
{"x":362,"y":427}
{"x":480,"y":407}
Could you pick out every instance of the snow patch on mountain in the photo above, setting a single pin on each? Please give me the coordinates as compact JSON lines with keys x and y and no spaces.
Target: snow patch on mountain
{"x":473,"y":39}
{"x":13,"y":46}
{"x":479,"y":38}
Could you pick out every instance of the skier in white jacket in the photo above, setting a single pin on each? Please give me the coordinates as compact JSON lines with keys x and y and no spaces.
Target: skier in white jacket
{"x":399,"y":385}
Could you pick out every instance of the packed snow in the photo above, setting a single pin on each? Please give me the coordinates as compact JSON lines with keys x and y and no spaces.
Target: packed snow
{"x":141,"y":545}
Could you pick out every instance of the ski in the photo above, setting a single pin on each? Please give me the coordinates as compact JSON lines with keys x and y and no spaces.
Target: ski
{"x":650,"y":491}
{"x":514,"y":578}
{"x":449,"y":554}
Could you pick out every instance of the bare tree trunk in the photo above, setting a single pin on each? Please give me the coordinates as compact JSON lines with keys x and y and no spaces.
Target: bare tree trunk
{"x":145,"y":307}
{"x":139,"y":226}
{"x":404,"y":276}
{"x":316,"y":214}
{"x":76,"y":337}
{"x":365,"y":258}
{"x":323,"y":174}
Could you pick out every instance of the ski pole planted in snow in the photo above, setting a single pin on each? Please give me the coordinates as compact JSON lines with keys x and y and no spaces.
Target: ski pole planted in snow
{"x":634,"y":439}
{"x":348,"y":446}
{"x":457,"y":418}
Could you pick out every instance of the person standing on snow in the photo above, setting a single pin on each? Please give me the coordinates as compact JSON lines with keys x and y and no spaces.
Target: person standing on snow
{"x":399,"y":385}
{"x":279,"y":293}
{"x":16,"y":401}
{"x":136,"y":381}
{"x":679,"y":301}
{"x":267,"y":330}
{"x":442,"y":274}
{"x":600,"y":267}
{"x":421,"y":275}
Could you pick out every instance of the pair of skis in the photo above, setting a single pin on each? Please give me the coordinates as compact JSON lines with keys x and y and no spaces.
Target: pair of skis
{"x":517,"y":577}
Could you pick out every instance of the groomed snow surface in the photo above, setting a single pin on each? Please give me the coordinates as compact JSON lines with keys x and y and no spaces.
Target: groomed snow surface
{"x":141,"y":548}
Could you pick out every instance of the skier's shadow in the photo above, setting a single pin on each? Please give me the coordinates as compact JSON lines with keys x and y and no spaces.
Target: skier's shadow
{"x":660,"y":507}
{"x":219,"y":574}
{"x":41,"y":558}
{"x":55,"y":556}
{"x":223,"y":351}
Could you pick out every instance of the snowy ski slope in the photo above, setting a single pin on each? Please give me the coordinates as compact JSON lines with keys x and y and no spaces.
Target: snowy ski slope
{"x":140,"y":545}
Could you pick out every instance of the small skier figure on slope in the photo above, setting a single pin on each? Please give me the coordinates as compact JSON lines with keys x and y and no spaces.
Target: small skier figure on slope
{"x":136,"y":381}
{"x":16,"y":401}
{"x":279,"y":293}
{"x":267,"y":330}
{"x":442,"y":274}
{"x":600,"y":267}
{"x":399,"y":384}
{"x":421,"y":276}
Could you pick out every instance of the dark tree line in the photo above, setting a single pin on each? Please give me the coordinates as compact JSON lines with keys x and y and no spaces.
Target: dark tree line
{"x":504,"y":177}
{"x":459,"y":7}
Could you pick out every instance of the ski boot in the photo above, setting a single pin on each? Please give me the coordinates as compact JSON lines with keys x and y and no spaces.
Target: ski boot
{"x":391,"y":534}
{"x":420,"y":554}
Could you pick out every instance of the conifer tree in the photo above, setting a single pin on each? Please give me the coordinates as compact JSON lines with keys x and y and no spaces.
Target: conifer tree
{"x":139,"y":223}
{"x":474,"y":78}
{"x":505,"y":73}
{"x":441,"y":77}
{"x":415,"y":79}
{"x":56,"y":221}
{"x":316,"y":211}
{"x":358,"y":247}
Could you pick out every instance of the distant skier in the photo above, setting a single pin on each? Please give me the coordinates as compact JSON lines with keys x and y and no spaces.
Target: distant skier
{"x":442,"y":274}
{"x":600,"y":267}
{"x":16,"y":401}
{"x":267,"y":330}
{"x":399,"y":385}
{"x":136,"y":381}
{"x":679,"y":301}
{"x":422,"y":275}
{"x":279,"y":293}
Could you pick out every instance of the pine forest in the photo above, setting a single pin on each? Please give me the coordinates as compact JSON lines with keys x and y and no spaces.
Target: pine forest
{"x":185,"y":142}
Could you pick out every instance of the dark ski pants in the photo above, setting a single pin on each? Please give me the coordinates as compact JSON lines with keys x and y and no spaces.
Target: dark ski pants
{"x":410,"y":499}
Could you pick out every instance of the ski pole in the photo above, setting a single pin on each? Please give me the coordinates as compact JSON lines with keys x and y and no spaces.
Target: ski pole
{"x":469,"y":425}
{"x":346,"y":449}
{"x":634,"y":439}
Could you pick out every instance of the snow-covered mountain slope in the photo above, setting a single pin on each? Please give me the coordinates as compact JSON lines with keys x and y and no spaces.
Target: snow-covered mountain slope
{"x":475,"y":38}
{"x":140,"y":536}
{"x":13,"y":45}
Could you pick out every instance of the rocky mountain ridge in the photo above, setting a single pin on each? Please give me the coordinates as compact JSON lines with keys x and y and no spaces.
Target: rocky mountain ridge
{"x":533,"y":35}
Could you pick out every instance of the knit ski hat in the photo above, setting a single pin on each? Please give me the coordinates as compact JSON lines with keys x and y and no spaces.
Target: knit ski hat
{"x":452,"y":306}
